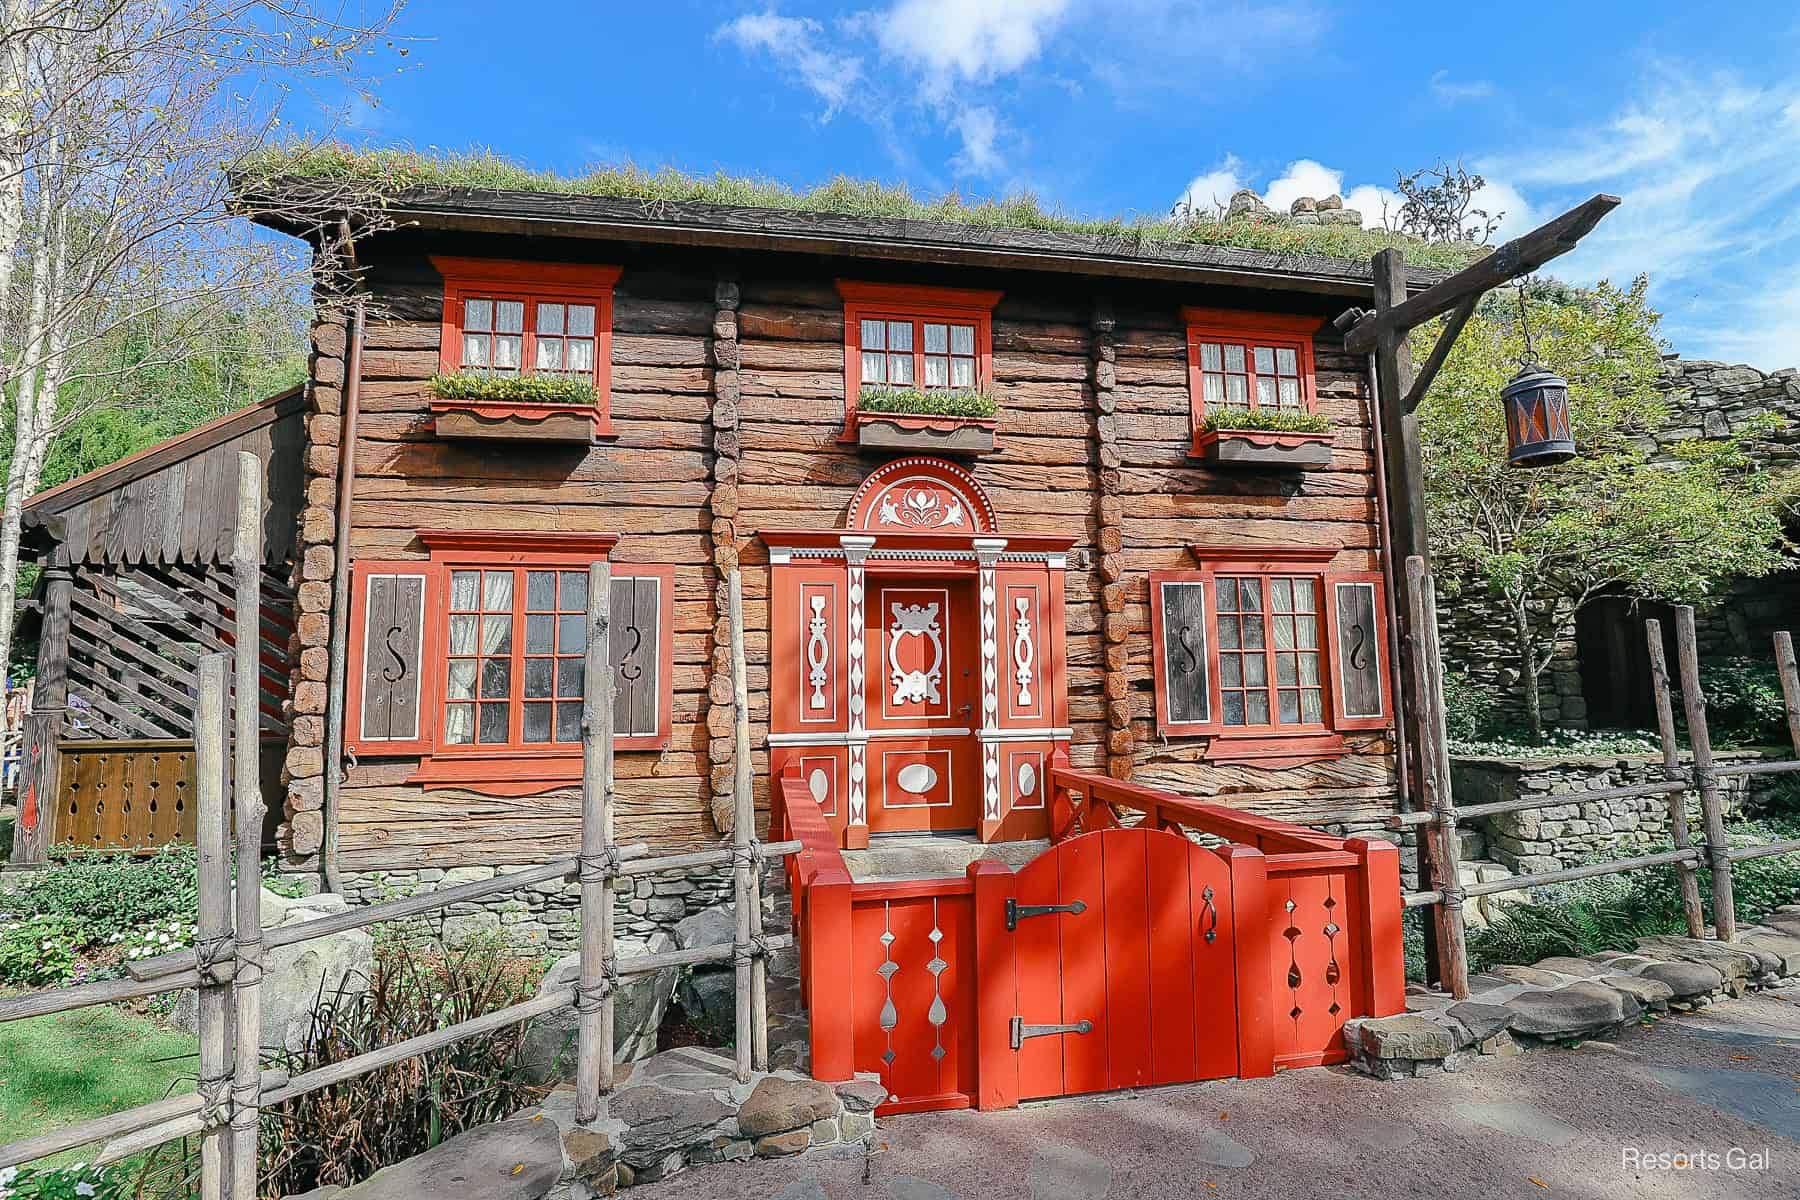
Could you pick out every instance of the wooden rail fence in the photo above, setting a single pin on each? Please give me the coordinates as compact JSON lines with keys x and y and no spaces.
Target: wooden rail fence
{"x":226,"y":962}
{"x":1437,"y":820}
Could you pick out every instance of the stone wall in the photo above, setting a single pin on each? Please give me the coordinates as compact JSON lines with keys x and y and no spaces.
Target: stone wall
{"x":1549,"y":839}
{"x":1707,"y":400}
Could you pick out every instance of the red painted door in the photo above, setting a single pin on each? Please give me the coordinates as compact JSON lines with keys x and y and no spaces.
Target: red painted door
{"x":1125,"y":963}
{"x":921,"y":705}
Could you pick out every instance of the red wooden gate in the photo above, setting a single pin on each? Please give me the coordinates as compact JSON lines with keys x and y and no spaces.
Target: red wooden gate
{"x":1124,"y":952}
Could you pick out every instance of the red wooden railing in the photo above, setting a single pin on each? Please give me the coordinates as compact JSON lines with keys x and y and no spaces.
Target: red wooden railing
{"x":1318,"y":942}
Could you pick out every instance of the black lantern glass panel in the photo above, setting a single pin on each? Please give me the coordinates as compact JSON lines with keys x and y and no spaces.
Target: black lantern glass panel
{"x":1537,"y":419}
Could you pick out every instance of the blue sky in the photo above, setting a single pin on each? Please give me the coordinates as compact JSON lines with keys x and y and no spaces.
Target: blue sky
{"x":1691,"y":112}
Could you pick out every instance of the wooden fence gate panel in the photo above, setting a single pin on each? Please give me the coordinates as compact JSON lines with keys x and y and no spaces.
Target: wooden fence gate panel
{"x":1126,"y":932}
{"x":1313,"y":985}
{"x":913,"y":994}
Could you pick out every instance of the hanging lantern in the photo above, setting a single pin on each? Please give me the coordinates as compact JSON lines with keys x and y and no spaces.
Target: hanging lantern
{"x":1537,"y":419}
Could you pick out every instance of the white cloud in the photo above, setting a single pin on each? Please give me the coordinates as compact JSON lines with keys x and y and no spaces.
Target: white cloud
{"x":794,"y":42}
{"x":1303,"y":177}
{"x":1708,"y":169}
{"x":979,"y":128}
{"x":1451,"y":91}
{"x":1213,"y":189}
{"x":967,"y":40}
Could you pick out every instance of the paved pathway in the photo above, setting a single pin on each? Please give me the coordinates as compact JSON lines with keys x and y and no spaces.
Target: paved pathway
{"x":1547,"y":1123}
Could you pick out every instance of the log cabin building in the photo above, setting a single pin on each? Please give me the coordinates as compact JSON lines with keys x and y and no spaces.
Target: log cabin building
{"x":968,"y":636}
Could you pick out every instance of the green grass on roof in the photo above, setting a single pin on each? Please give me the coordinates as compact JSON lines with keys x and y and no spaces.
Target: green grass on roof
{"x":398,"y":170}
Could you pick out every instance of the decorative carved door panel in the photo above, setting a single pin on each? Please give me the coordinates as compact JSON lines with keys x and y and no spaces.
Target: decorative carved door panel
{"x":923,"y":689}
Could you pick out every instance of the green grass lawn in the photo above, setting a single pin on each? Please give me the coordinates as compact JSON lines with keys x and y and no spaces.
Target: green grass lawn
{"x":75,"y":1065}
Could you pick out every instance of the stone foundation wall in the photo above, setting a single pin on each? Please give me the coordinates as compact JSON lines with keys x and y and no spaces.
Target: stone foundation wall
{"x":545,"y":916}
{"x":1548,"y":839}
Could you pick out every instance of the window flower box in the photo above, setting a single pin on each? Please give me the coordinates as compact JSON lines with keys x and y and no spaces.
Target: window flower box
{"x":516,"y":409}
{"x":1263,"y":438}
{"x":927,"y":421}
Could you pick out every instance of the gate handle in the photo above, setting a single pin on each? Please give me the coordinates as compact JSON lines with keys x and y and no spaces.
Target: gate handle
{"x":1212,"y":915}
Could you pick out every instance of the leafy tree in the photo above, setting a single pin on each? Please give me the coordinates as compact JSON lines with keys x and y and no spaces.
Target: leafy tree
{"x":1673,"y":529}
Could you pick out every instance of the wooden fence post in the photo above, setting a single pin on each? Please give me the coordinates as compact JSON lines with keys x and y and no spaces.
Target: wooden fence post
{"x":40,"y":753}
{"x":599,"y":861}
{"x":212,"y":930}
{"x":1706,"y":781}
{"x":828,"y":929}
{"x":1678,"y":822}
{"x":1434,"y":754}
{"x":1384,"y":975}
{"x":247,"y":813}
{"x":1790,"y":685}
{"x":1254,"y":925}
{"x":752,"y":1045}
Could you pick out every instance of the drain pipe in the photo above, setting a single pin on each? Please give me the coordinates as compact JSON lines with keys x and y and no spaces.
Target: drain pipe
{"x":340,"y":594}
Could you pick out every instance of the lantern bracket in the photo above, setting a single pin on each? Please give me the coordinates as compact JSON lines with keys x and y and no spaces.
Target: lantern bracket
{"x":1441,"y":351}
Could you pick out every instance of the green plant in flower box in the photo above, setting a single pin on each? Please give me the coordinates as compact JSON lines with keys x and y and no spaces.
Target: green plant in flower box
{"x":1263,"y":420}
{"x":935,"y":402}
{"x":513,"y":389}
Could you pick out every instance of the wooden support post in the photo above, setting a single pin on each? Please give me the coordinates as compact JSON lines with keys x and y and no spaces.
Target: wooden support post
{"x":749,"y":919}
{"x":1256,"y":925}
{"x":1440,"y":835}
{"x":1678,"y":822}
{"x":1706,"y":782}
{"x":1790,"y":685}
{"x":40,"y":750}
{"x":996,"y":986}
{"x":213,"y":929}
{"x":599,"y":976}
{"x":247,"y":816}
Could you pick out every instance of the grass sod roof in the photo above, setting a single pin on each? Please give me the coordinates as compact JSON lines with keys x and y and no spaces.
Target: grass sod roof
{"x":420,"y":185}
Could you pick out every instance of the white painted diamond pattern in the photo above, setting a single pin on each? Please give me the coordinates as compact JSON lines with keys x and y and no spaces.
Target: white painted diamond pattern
{"x":890,"y":1016}
{"x":938,"y":1013}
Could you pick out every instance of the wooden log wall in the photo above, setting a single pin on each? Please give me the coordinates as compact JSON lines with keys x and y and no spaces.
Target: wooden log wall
{"x":728,"y":403}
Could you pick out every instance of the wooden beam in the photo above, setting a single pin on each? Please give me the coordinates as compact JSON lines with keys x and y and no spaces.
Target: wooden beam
{"x":1439,"y":352}
{"x":1515,"y":258}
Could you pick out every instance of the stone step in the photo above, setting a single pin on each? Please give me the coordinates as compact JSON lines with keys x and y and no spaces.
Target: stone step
{"x":934,"y":856}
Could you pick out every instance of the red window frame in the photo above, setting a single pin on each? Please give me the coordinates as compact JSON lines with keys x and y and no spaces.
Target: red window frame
{"x":1271,"y":740}
{"x":532,"y":283}
{"x":1248,"y":330}
{"x":919,"y":306}
{"x":515,"y":767}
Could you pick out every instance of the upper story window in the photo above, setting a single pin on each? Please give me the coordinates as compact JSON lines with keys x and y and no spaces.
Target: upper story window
{"x":1268,"y":651}
{"x":524,"y":319}
{"x":900,"y":338}
{"x":475,"y":660}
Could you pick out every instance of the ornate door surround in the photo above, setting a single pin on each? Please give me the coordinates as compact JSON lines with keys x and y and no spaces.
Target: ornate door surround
{"x":916,"y":524}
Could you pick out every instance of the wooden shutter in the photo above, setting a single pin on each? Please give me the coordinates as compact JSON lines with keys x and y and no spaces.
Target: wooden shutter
{"x":1358,"y":635}
{"x":642,"y":653}
{"x":389,"y":669}
{"x":1183,"y":655}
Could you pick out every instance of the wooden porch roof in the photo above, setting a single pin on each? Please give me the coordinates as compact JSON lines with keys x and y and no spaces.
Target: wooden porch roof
{"x":176,"y":501}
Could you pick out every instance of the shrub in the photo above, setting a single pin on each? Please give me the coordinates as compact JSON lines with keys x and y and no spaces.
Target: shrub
{"x":37,"y":952}
{"x":93,"y":896}
{"x":1743,"y":702}
{"x":1469,"y":707}
{"x":514,"y":389}
{"x":345,"y":1133}
{"x":1558,"y":743}
{"x":937,"y":402}
{"x":1272,"y":420}
{"x":79,"y":1182}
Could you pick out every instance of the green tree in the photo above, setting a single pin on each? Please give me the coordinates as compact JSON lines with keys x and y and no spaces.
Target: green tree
{"x":1672,"y":529}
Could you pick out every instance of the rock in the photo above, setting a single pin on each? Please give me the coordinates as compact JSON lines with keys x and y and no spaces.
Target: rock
{"x":590,"y":1153}
{"x":1340,"y":216}
{"x":658,"y":1120}
{"x":1577,"y":1010}
{"x":854,"y":1125}
{"x":1406,"y":1036}
{"x":1330,"y":202}
{"x":715,"y":926}
{"x":1653,"y":994}
{"x":862,"y":1094}
{"x":1483,"y":1021}
{"x":1530,"y":975}
{"x":780,"y":1145}
{"x":548,"y":1051}
{"x":320,"y":1193}
{"x":1245,"y":203}
{"x":778,"y":1104}
{"x":296,"y":976}
{"x":1580,"y":968}
{"x":509,"y":1160}
{"x":708,"y":995}
{"x":1784,"y":947}
{"x":1732,"y":963}
{"x":1304,"y":204}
